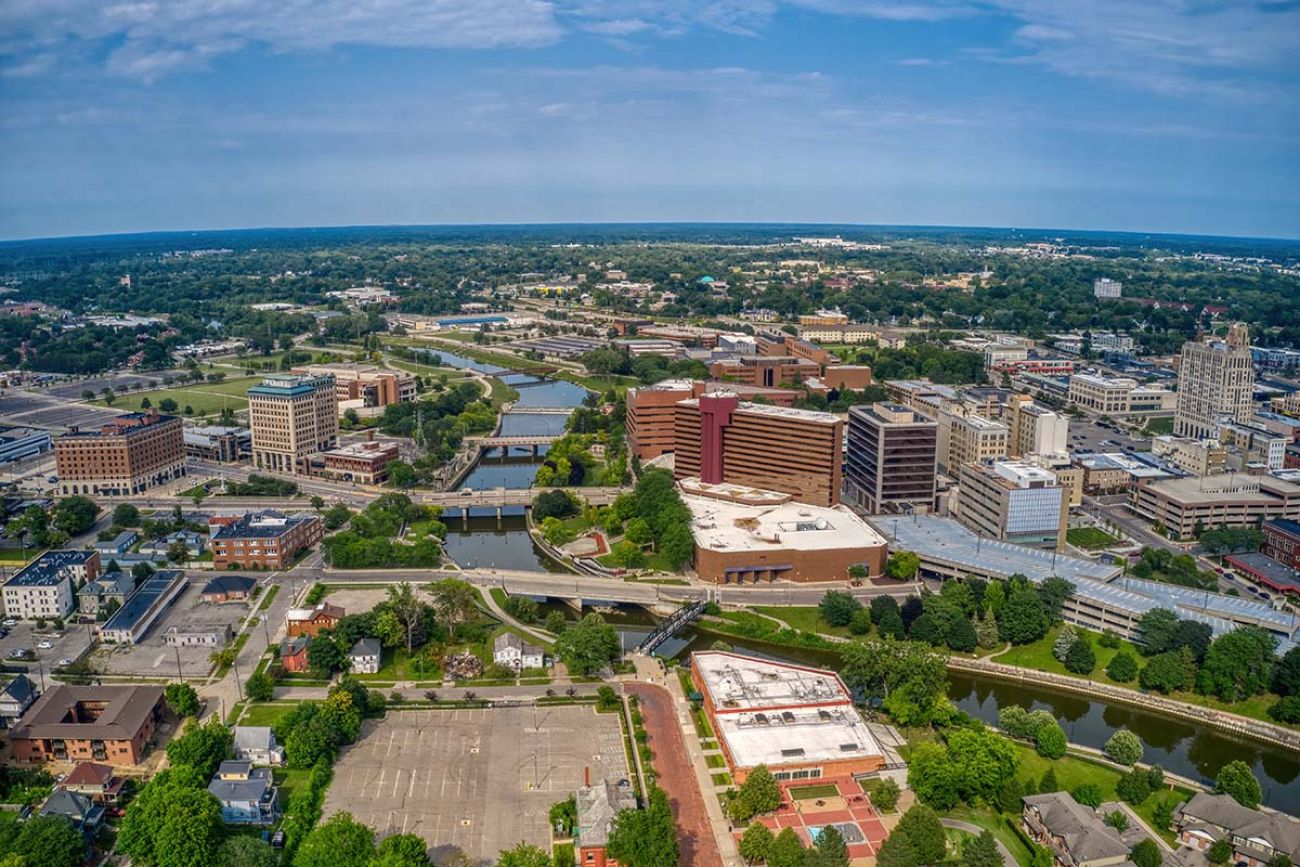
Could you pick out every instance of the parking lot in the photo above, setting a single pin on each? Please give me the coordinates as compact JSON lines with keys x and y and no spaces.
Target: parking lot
{"x":1087,"y":434}
{"x":69,"y":645}
{"x":54,"y":413}
{"x":476,"y":780}
{"x":152,"y":658}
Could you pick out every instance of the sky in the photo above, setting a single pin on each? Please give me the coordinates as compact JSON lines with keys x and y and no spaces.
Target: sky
{"x":1142,"y":115}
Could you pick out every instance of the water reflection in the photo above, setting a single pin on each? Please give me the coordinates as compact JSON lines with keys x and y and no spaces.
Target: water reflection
{"x":485,"y":542}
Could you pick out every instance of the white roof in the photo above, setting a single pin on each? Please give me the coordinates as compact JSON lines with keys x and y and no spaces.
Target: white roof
{"x":775,"y":714}
{"x":719,"y":525}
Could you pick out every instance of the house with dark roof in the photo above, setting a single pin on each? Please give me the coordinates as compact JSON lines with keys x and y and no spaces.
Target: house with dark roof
{"x":229,"y":588}
{"x":94,"y":781}
{"x":246,"y":794}
{"x":108,"y":724}
{"x":310,"y":621}
{"x":597,"y":808}
{"x":1076,"y":836}
{"x":365,"y":656}
{"x":106,"y":593}
{"x":15,"y":698}
{"x":79,"y":811}
{"x":1256,"y":837}
{"x":293,"y":653}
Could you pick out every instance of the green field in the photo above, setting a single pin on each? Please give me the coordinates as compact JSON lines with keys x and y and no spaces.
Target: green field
{"x":1163,"y":425}
{"x":267,"y":714}
{"x":1090,"y":537}
{"x":805,"y":617}
{"x":205,"y":398}
{"x":808,"y":793}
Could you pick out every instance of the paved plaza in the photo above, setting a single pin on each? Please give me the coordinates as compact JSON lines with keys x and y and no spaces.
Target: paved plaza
{"x":480,"y":780}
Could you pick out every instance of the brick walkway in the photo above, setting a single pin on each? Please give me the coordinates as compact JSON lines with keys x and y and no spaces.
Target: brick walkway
{"x":677,"y":777}
{"x":850,"y":808}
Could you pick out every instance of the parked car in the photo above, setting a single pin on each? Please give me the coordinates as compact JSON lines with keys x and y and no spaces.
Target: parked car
{"x":20,"y":653}
{"x":64,"y":663}
{"x":11,"y":622}
{"x":45,"y":645}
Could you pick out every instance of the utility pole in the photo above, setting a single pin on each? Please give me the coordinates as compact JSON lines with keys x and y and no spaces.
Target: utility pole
{"x":179,"y":675}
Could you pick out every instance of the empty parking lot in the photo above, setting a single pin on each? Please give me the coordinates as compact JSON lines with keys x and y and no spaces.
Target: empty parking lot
{"x":479,"y":780}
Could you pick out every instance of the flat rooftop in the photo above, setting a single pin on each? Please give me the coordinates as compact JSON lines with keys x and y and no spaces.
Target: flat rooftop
{"x":774,"y":714}
{"x":1230,"y":486}
{"x":1277,"y":574}
{"x":722,"y":525}
{"x":139,"y":603}
{"x":49,"y":569}
{"x":808,"y":415}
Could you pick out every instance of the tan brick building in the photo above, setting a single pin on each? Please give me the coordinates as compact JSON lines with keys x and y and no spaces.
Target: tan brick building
{"x":292,"y":417}
{"x":374,"y":387}
{"x":130,"y":455}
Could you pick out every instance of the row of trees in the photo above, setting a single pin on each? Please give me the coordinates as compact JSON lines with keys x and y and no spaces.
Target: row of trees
{"x":37,"y":528}
{"x":369,"y":542}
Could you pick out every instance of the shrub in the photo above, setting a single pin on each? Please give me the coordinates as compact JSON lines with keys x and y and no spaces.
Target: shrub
{"x":1123,"y":667}
{"x":1088,"y":794}
{"x":1050,"y":741}
{"x":1286,"y":710}
{"x":1124,"y":747}
{"x":1134,"y":787}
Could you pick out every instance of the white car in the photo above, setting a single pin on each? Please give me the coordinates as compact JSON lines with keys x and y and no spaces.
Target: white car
{"x":11,"y":622}
{"x":45,"y":645}
{"x":64,"y":663}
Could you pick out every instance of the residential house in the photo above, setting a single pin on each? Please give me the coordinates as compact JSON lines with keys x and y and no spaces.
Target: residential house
{"x":195,"y":544}
{"x":15,"y":698}
{"x":94,"y":781}
{"x":256,"y":744}
{"x":511,"y":651}
{"x":597,"y":807}
{"x":246,"y":793}
{"x":83,"y":814}
{"x":293,"y":653}
{"x":310,"y":621}
{"x":1256,"y":837}
{"x":229,"y":588}
{"x":119,"y":544}
{"x":365,"y":655}
{"x":1075,"y":835}
{"x":105,"y":594}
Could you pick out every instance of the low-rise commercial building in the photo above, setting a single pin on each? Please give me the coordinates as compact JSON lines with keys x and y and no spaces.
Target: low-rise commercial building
{"x":1230,"y":500}
{"x":891,"y":460}
{"x":108,"y":724}
{"x":228,"y":588}
{"x":597,"y":807}
{"x":744,"y":536}
{"x":43,"y":589}
{"x":219,"y":444}
{"x":1117,"y":472}
{"x":262,"y":540}
{"x":310,"y":621}
{"x":361,"y":463}
{"x":720,"y":439}
{"x":17,"y":443}
{"x":364,"y":386}
{"x":1198,"y":457}
{"x":1272,"y":579}
{"x":1282,"y":541}
{"x":198,"y":635}
{"x":797,"y":721}
{"x":130,"y":455}
{"x":1015,"y":502}
{"x":130,"y":623}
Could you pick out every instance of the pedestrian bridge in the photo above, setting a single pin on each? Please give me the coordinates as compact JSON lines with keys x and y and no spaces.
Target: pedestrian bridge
{"x":499,"y":497}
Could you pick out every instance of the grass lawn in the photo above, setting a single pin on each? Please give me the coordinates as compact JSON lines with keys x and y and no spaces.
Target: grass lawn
{"x":205,"y":398}
{"x":804,"y":617}
{"x":562,"y":853}
{"x":267,"y":713}
{"x":1038,"y":656}
{"x":290,"y":781}
{"x":1089,"y":537}
{"x":723,"y":779}
{"x":1163,"y":425}
{"x":990,"y":820}
{"x":501,"y":393}
{"x":808,"y":793}
{"x":395,"y":664}
{"x":714,"y":761}
{"x":19,"y":555}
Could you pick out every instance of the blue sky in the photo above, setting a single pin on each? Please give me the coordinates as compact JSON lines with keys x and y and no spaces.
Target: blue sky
{"x":1162,"y":115}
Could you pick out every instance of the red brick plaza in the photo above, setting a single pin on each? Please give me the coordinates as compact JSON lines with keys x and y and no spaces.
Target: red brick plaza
{"x":851,"y":811}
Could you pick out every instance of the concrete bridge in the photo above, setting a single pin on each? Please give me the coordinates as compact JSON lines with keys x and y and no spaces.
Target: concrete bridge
{"x":539,"y":410}
{"x":499,"y":497}
{"x":533,"y":441}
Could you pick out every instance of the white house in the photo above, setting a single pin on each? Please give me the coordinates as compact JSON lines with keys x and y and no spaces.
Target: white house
{"x":256,"y":744}
{"x":510,"y":650}
{"x":365,"y":656}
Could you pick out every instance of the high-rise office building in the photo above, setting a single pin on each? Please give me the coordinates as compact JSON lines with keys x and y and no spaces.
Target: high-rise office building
{"x":723,"y":440}
{"x":292,"y":417}
{"x":968,"y":438}
{"x":1216,"y":381}
{"x":1104,"y":287}
{"x":1015,"y":502}
{"x":891,"y":459}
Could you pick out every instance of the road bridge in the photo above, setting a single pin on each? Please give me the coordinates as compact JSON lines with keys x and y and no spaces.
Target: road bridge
{"x":533,"y":441}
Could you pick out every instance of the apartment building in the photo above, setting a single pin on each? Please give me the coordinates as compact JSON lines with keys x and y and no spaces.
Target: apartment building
{"x":824,"y":317}
{"x":719,"y":438}
{"x":1034,"y":429}
{"x":1282,"y":541}
{"x":1229,"y":500}
{"x":261,"y":540}
{"x":1015,"y":502}
{"x":373,"y":386}
{"x":46,"y":587}
{"x":891,"y":459}
{"x":968,"y":439}
{"x":1257,"y":838}
{"x":1198,"y":457}
{"x":129,"y":455}
{"x":109,"y":724}
{"x":292,"y":417}
{"x":1216,"y":381}
{"x":1104,"y":287}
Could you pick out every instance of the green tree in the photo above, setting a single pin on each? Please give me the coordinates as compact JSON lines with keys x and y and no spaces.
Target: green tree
{"x":341,"y":841}
{"x":1023,"y":619}
{"x":1235,"y":779}
{"x":1050,"y":741}
{"x":758,"y":794}
{"x":260,"y":687}
{"x":173,"y":822}
{"x":908,"y":678}
{"x":1286,"y":674}
{"x":902,"y":565}
{"x":961,"y":635}
{"x":50,"y":842}
{"x":860,"y":622}
{"x":1146,"y":854}
{"x":524,"y":855}
{"x":786,"y":850}
{"x":1123,"y":667}
{"x":755,"y":842}
{"x":74,"y":515}
{"x":1049,"y":783}
{"x":522,"y":608}
{"x":1054,"y":591}
{"x":645,"y":838}
{"x":831,"y":848}
{"x":1164,"y":672}
{"x":407,"y":608}
{"x":920,"y":827}
{"x":126,"y":515}
{"x":983,"y":761}
{"x":1134,"y":787}
{"x":933,"y":777}
{"x":981,"y":851}
{"x":455,"y":602}
{"x":1238,"y":664}
{"x":1081,"y":658}
{"x":1155,"y":631}
{"x":410,"y":850}
{"x":182,"y":699}
{"x":554,"y":504}
{"x":885,"y":795}
{"x":588,"y":646}
{"x":324,"y":656}
{"x":1087,"y":794}
{"x":927,"y":628}
{"x":556,"y":622}
{"x":1219,"y":852}
{"x":245,"y":851}
{"x":1124,"y":747}
{"x":201,"y":747}
{"x":838,"y":607}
